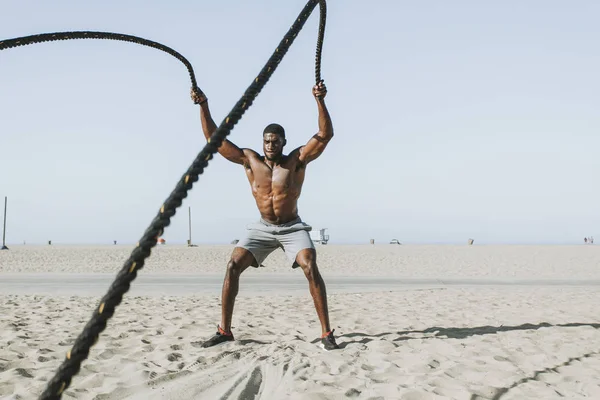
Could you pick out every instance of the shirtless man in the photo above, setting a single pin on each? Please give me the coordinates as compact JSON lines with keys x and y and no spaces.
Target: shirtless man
{"x":276,"y":181}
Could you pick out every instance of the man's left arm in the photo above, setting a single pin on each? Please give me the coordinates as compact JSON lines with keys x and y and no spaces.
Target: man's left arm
{"x":316,"y":145}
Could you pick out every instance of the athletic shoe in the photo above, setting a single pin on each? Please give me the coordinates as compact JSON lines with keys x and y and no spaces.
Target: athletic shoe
{"x":220,"y":337}
{"x":328,"y":341}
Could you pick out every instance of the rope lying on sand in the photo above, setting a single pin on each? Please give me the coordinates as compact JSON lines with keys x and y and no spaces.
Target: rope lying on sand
{"x":89,"y":336}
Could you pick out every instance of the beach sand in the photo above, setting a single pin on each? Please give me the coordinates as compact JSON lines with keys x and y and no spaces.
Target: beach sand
{"x":410,"y":261}
{"x":454,"y":342}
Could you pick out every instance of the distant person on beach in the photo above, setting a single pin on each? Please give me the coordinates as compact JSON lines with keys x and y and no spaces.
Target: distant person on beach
{"x":276,"y":182}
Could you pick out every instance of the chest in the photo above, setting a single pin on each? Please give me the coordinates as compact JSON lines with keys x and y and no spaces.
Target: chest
{"x":280,"y":177}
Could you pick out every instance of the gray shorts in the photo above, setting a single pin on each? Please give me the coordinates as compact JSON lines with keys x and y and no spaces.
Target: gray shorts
{"x":263,"y":238}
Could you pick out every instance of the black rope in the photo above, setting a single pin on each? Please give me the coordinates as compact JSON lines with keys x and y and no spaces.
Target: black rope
{"x":50,"y":37}
{"x":89,"y":336}
{"x":321,"y":35}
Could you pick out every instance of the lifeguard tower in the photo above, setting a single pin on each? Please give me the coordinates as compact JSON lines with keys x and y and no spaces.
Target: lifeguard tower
{"x":319,"y":236}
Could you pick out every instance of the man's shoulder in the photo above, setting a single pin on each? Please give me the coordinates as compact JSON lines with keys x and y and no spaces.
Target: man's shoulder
{"x":294,"y":157}
{"x":250,"y":153}
{"x":295,"y":154}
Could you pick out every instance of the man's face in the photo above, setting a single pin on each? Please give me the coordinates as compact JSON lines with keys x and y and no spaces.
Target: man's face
{"x":273,"y":146}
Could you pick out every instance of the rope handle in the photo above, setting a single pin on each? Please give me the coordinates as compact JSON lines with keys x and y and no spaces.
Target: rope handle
{"x":198,"y":96}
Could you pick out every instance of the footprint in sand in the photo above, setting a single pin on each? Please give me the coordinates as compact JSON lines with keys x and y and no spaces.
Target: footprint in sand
{"x":200,"y":363}
{"x":174,"y":356}
{"x":26,"y":373}
{"x":148,"y":348}
{"x":67,"y":342}
{"x":92,"y":381}
{"x":107,"y":354}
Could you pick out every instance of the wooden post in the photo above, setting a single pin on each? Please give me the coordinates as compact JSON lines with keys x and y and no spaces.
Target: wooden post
{"x":4,"y":229}
{"x":190,"y":226}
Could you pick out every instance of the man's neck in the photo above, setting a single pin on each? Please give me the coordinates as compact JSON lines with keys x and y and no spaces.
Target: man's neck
{"x":274,"y":162}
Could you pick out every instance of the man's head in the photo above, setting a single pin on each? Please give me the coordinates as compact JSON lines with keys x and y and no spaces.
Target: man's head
{"x":273,"y":141}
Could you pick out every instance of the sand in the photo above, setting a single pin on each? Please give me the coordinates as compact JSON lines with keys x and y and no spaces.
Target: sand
{"x":409,"y":261}
{"x":454,"y":341}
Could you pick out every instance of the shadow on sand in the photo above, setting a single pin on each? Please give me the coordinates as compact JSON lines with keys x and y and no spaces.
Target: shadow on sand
{"x":462,"y":333}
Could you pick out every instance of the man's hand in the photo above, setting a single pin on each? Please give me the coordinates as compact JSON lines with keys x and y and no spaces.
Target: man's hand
{"x":198,"y":96}
{"x":319,"y":90}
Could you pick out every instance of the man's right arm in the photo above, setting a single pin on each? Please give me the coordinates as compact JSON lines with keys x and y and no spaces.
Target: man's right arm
{"x":228,"y":150}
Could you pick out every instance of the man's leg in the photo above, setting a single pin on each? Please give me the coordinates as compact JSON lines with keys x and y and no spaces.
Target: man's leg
{"x":307,"y":260}
{"x":301,"y":251}
{"x":251,"y":250}
{"x":240,"y":260}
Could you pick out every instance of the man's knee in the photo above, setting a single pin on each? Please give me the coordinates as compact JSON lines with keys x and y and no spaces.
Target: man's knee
{"x":239,"y":261}
{"x":307,"y":260}
{"x":234,"y":267}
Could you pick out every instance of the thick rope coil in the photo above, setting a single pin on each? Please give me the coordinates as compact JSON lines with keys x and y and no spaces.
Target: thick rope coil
{"x":88,"y":337}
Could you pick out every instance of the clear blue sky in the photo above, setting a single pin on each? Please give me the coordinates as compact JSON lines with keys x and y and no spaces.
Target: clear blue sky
{"x":452,"y":119}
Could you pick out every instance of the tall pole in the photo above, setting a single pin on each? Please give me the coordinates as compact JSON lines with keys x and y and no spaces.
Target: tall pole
{"x":4,"y":230}
{"x":190,"y":225}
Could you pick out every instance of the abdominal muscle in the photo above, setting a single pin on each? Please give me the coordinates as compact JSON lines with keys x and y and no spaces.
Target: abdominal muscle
{"x":276,"y":190}
{"x":276,"y":206}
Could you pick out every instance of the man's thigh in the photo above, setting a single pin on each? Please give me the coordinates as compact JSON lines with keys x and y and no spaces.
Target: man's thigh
{"x":260,"y":244}
{"x":294,"y":242}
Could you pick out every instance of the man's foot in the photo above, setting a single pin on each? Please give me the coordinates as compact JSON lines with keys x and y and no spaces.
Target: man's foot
{"x":328,"y":341}
{"x":219,"y":337}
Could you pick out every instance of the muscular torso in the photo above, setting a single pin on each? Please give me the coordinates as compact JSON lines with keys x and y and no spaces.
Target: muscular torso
{"x":276,"y":190}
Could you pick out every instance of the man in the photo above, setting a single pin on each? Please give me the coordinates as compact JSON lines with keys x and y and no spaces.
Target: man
{"x":276,"y":181}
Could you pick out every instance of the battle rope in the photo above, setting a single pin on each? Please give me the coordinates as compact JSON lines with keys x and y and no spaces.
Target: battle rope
{"x":89,"y":336}
{"x":50,"y":37}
